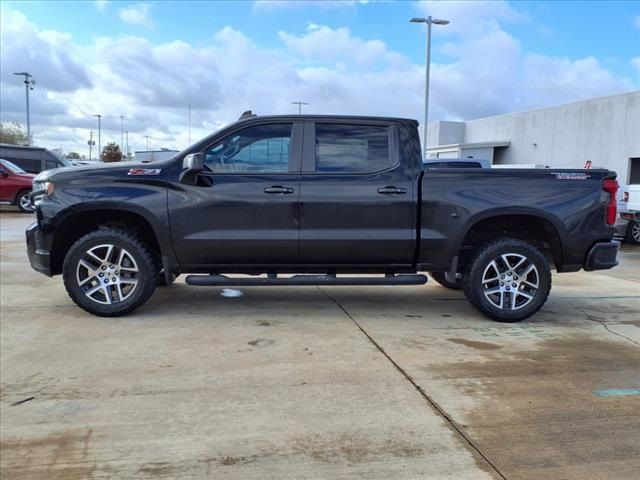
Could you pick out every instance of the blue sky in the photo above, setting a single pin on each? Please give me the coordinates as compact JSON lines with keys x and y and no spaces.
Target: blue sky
{"x":341,"y":56}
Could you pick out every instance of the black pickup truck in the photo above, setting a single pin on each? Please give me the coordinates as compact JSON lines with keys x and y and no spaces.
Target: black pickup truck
{"x":333,"y":200}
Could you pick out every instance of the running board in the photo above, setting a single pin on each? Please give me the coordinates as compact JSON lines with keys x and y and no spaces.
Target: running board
{"x":224,"y":281}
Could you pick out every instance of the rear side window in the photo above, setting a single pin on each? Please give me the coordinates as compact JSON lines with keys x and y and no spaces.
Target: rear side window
{"x":29,"y":165}
{"x":351,"y":148}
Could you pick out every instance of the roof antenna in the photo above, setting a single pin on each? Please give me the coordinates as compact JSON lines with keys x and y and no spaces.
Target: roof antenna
{"x":247,"y":114}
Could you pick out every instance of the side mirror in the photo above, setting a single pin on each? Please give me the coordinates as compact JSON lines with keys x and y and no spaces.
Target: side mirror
{"x":194,"y":162}
{"x":191,"y":166}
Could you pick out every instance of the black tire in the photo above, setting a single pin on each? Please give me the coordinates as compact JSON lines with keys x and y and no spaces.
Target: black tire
{"x":442,"y":280}
{"x":633,"y":232}
{"x":132,"y":288}
{"x":23,"y":203}
{"x":527,"y":300}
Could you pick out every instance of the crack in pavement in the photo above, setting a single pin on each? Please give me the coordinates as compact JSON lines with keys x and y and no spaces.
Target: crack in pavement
{"x":434,"y":405}
{"x":606,"y":327}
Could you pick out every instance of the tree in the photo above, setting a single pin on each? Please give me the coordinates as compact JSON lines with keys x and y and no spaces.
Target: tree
{"x":111,"y":153}
{"x":73,"y":156}
{"x":12,"y":133}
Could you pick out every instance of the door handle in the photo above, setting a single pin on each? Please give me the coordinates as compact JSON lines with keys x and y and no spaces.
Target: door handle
{"x":391,"y":190}
{"x":278,"y":190}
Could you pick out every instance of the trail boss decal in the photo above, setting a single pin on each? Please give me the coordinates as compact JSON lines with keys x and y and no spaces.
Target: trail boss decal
{"x":144,"y":171}
{"x":570,"y":176}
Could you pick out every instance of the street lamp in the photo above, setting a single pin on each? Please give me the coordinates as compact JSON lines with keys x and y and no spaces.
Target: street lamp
{"x":299,"y":103}
{"x":121,"y":132}
{"x":28,"y":85}
{"x":98,"y":116}
{"x":428,"y":21}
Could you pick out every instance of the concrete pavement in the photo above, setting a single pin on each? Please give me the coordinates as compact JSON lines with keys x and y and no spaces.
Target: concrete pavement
{"x":342,"y":382}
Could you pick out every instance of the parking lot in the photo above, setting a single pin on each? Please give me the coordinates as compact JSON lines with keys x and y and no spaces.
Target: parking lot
{"x":306,"y":382}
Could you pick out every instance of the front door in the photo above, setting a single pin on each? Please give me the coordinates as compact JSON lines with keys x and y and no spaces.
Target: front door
{"x":358,"y":203}
{"x":243,"y":209}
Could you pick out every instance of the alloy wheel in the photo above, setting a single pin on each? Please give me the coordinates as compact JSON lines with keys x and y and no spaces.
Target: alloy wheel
{"x":107,"y":274}
{"x":510,"y":282}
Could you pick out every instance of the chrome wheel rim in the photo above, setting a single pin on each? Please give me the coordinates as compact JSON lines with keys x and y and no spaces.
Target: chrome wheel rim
{"x":25,"y":203}
{"x":510,"y":282}
{"x":635,"y":231}
{"x":107,"y":274}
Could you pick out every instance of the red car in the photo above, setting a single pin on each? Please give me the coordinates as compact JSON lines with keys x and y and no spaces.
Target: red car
{"x":15,"y":186}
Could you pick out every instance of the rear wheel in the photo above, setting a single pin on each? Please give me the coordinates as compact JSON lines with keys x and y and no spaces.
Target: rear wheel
{"x":633,"y":232}
{"x":441,"y":278}
{"x":109,"y":272}
{"x":24,"y":202}
{"x":509,"y":280}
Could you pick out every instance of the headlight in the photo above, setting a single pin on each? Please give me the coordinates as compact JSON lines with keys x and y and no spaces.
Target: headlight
{"x":41,"y":189}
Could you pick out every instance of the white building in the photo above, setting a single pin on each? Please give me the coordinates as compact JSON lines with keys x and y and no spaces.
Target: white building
{"x":603,"y":131}
{"x":148,"y":156}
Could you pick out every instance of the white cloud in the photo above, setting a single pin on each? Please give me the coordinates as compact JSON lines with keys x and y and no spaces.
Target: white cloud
{"x":152,"y":84}
{"x":136,"y":15}
{"x":274,"y":5}
{"x":101,"y":4}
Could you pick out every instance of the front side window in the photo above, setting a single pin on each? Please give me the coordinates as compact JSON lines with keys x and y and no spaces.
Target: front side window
{"x":259,"y":149}
{"x":351,"y":148}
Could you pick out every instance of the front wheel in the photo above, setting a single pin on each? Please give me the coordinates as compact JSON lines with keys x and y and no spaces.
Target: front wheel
{"x":109,"y":272}
{"x":24,"y":202}
{"x":633,"y":232}
{"x":509,"y":280}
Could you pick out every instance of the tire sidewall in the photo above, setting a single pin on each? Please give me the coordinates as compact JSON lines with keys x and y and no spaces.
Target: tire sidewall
{"x":147,"y":273}
{"x":474,"y":289}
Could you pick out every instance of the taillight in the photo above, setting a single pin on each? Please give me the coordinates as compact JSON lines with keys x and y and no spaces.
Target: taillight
{"x":611,"y":187}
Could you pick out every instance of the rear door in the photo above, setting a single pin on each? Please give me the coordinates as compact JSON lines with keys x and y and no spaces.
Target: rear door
{"x":243,"y":210}
{"x":357,"y":197}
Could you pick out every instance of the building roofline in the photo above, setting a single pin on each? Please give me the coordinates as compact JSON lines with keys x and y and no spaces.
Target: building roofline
{"x":544,"y":108}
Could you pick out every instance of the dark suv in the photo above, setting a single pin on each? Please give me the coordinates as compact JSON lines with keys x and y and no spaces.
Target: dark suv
{"x":32,"y":159}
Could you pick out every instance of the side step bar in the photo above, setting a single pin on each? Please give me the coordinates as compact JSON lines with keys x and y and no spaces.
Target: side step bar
{"x":224,"y":281}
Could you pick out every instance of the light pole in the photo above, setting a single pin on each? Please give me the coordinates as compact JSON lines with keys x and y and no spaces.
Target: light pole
{"x":147,"y":137}
{"x":28,"y":85}
{"x":189,"y":124}
{"x":121,"y":132}
{"x":127,"y":133}
{"x":299,"y":103}
{"x":98,"y":116}
{"x":428,"y":21}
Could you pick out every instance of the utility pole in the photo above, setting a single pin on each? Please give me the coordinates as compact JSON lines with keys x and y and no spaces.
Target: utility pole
{"x":127,"y":132}
{"x":28,"y":85}
{"x":429,"y":21}
{"x":299,"y":103}
{"x":90,"y":142}
{"x":147,"y":137}
{"x":98,"y":116}
{"x":121,"y":132}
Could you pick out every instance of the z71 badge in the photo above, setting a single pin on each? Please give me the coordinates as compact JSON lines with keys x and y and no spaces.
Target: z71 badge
{"x":144,"y":171}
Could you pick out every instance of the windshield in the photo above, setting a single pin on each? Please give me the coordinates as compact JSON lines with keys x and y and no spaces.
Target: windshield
{"x":62,"y":159}
{"x":11,"y":166}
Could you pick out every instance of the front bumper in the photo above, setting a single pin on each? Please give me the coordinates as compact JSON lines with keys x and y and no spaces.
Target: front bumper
{"x":602,"y":256}
{"x":38,"y":256}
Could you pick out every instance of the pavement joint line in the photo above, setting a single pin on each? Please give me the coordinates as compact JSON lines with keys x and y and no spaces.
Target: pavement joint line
{"x":606,"y":327}
{"x":432,"y":403}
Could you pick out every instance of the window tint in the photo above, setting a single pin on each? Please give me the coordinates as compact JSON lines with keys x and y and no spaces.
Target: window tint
{"x":351,"y":148}
{"x":28,"y":164}
{"x":51,"y":164}
{"x":259,"y":149}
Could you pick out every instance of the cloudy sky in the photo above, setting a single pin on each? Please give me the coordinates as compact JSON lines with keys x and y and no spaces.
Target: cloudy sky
{"x":148,"y":61}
